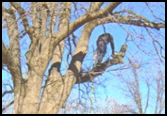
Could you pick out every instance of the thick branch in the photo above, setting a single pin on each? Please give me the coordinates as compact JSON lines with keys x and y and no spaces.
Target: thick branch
{"x":14,"y":48}
{"x":101,"y":67}
{"x":82,"y":46}
{"x":144,"y":24}
{"x":64,"y":16}
{"x":94,"y":6}
{"x":23,"y":17}
{"x":14,"y":64}
{"x":129,"y":20}
{"x":4,"y":55}
{"x":88,"y":17}
{"x":60,"y":35}
{"x":35,"y":16}
{"x":52,"y":22}
{"x":44,"y":12}
{"x":134,"y":20}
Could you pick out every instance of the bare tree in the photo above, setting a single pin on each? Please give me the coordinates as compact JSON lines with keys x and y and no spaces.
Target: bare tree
{"x":111,"y":107}
{"x":153,"y":97}
{"x":114,"y":107}
{"x":47,"y":25}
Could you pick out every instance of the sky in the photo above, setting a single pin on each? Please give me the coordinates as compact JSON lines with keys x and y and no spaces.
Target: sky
{"x":111,"y":82}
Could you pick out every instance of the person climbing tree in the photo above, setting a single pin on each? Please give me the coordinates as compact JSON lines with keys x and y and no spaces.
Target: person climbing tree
{"x":101,"y":43}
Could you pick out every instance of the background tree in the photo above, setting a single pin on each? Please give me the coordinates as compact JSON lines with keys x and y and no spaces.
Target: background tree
{"x":48,"y":28}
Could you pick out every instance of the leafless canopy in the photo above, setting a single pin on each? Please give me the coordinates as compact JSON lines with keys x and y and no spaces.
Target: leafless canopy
{"x":46,"y":25}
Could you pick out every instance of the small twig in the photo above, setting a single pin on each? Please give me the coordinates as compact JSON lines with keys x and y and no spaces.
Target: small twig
{"x":9,"y":104}
{"x":6,"y":92}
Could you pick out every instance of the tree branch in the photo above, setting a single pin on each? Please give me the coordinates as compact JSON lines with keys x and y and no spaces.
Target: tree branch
{"x":4,"y":55}
{"x":145,"y":24}
{"x":95,"y":6}
{"x":5,"y":92}
{"x":9,"y":104}
{"x":64,"y":16}
{"x":101,"y":67}
{"x":23,"y":17}
{"x":60,"y":35}
{"x":82,"y":46}
{"x":52,"y":20}
{"x":137,"y":94}
{"x":14,"y":48}
{"x":130,"y":20}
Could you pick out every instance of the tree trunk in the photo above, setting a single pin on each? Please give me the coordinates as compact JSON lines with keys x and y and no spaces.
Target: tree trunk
{"x":55,"y":94}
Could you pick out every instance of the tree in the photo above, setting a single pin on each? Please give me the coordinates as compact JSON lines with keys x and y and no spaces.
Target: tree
{"x":154,"y":88}
{"x":49,"y":26}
